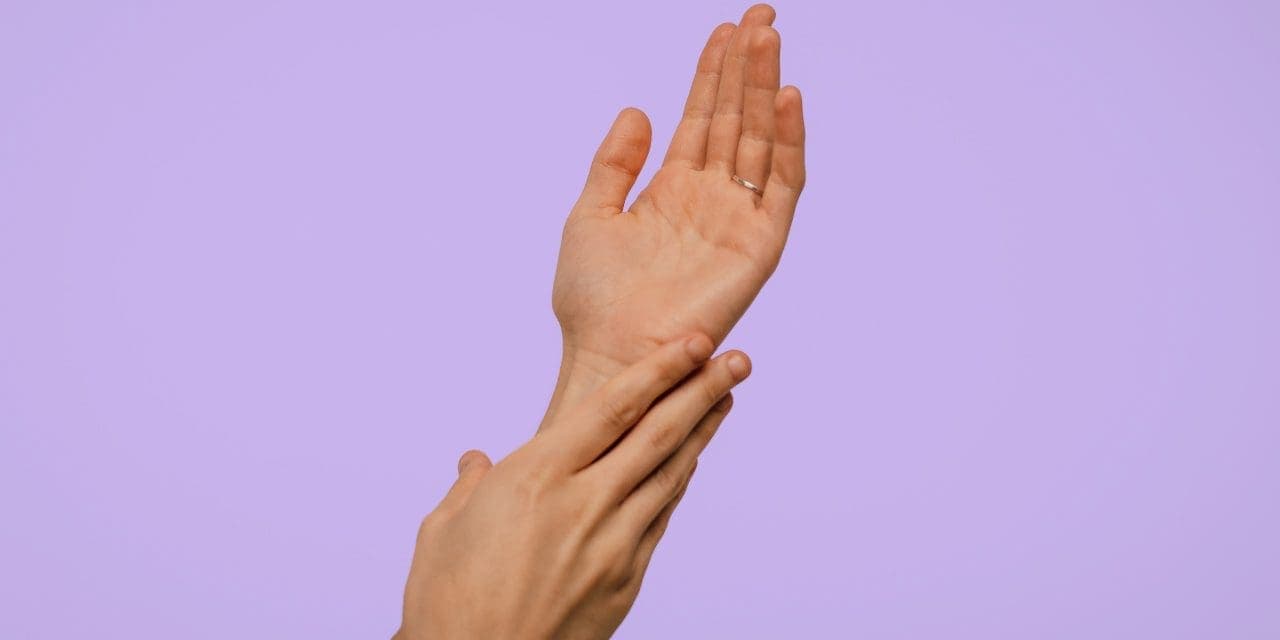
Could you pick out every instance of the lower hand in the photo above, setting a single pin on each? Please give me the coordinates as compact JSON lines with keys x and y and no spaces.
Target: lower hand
{"x":554,"y":539}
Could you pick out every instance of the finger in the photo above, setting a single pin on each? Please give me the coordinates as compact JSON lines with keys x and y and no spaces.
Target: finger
{"x":617,"y":163}
{"x":726,"y":119}
{"x":668,"y":423}
{"x":787,"y":178}
{"x":758,"y":14}
{"x":658,"y":528}
{"x":647,"y":501}
{"x":615,"y":407}
{"x":472,"y":467}
{"x":760,"y":91}
{"x":689,"y":143}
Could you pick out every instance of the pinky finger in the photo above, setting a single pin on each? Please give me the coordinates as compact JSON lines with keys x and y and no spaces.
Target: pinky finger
{"x":787,"y":178}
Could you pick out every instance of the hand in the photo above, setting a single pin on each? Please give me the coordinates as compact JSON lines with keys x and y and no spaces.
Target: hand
{"x":553,"y":540}
{"x":695,"y":248}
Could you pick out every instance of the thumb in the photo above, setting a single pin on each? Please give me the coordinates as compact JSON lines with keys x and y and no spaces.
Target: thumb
{"x":617,"y":163}
{"x":472,"y":468}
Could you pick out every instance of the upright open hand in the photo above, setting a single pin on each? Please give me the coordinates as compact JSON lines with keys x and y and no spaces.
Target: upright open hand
{"x":696,"y":247}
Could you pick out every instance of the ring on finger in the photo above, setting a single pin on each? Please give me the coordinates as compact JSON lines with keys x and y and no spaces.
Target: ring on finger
{"x":748,"y":184}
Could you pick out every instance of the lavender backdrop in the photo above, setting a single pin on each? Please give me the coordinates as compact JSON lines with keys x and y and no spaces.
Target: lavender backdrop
{"x":267,"y":268}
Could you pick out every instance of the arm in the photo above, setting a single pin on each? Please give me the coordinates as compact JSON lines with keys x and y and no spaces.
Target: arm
{"x":553,"y":541}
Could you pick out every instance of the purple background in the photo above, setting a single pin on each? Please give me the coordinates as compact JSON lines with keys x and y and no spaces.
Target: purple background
{"x":267,"y":268}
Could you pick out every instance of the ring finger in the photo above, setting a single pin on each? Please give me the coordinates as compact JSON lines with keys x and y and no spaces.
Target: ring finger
{"x":760,"y":91}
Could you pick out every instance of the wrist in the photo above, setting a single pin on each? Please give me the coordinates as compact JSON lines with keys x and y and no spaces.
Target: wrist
{"x":582,"y":371}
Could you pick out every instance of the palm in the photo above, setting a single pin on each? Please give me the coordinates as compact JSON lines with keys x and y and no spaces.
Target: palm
{"x":695,"y":248}
{"x":690,"y":255}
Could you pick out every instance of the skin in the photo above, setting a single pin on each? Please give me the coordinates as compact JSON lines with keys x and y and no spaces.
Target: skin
{"x":695,"y":247}
{"x":554,"y":540}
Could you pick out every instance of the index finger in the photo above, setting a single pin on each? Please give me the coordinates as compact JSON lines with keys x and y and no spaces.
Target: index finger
{"x":615,"y":407}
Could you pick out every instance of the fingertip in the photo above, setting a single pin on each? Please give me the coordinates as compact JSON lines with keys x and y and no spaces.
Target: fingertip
{"x":789,"y":108}
{"x":634,"y":115}
{"x":761,"y":13}
{"x":739,"y":365}
{"x":618,"y":160}
{"x":473,"y":457}
{"x":725,"y":404}
{"x":634,"y":132}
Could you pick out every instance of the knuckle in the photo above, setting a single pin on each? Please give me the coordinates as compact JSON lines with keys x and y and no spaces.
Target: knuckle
{"x":727,"y":116}
{"x":758,"y":133}
{"x":612,"y":567}
{"x":617,"y":412}
{"x":663,"y":439}
{"x":430,"y":524}
{"x":599,"y":494}
{"x":528,"y":487}
{"x":620,"y":572}
{"x":699,"y":112}
{"x":675,"y":366}
{"x":612,"y":163}
{"x":668,"y":479}
{"x":600,"y":502}
{"x":624,"y":575}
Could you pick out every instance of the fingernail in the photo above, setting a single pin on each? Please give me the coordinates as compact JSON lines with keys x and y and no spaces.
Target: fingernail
{"x":698,"y":347}
{"x":739,"y":366}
